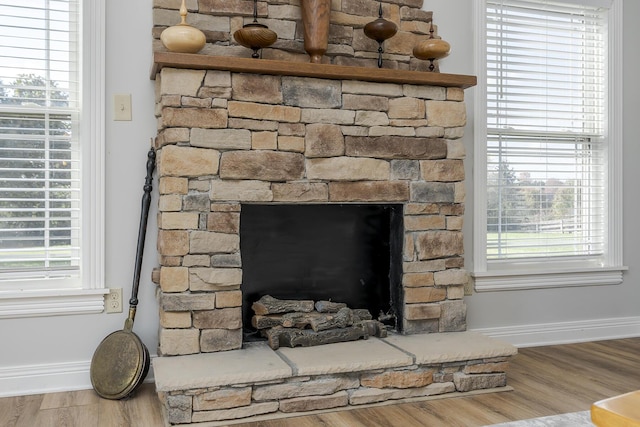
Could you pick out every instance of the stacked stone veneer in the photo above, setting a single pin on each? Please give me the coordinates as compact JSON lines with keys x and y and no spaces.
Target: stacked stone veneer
{"x":230,"y":138}
{"x":348,"y":45}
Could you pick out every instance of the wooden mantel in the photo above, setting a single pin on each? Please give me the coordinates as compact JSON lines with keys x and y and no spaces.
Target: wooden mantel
{"x":322,"y":71}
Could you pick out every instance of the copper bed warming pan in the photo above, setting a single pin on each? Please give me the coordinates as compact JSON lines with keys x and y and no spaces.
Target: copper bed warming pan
{"x":121,"y":361}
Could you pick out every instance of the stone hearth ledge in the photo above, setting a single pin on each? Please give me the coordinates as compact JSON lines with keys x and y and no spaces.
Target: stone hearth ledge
{"x":256,"y":362}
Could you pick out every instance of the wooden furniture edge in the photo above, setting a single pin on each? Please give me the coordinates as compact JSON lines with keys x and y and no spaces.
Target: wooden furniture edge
{"x":323,"y":71}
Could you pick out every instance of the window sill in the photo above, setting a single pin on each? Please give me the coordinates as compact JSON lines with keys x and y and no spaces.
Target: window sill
{"x":38,"y":303}
{"x":536,"y":279}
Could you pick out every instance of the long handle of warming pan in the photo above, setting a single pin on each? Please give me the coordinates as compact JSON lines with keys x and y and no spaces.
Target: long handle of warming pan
{"x":142,"y":232}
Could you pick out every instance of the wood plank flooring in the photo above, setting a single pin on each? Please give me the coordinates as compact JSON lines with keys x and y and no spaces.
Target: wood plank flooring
{"x":547,"y":381}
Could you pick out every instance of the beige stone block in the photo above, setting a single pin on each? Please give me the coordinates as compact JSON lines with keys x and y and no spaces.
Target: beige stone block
{"x":374,"y":395}
{"x":455,"y":292}
{"x":455,"y":222}
{"x":173,"y":342}
{"x":212,"y":340}
{"x":486,"y":368}
{"x":291,"y":129}
{"x":424,"y":222}
{"x":442,"y":170}
{"x":224,"y":318}
{"x":355,"y":130}
{"x":221,"y":139}
{"x":174,"y":319}
{"x":311,"y":93}
{"x":257,"y":88}
{"x":316,"y":387}
{"x":371,"y":88}
{"x":187,"y":301}
{"x":398,"y":379}
{"x":253,"y":125}
{"x":323,"y":140}
{"x":460,"y":192}
{"x":291,"y":143}
{"x":455,"y":94}
{"x":215,"y":78}
{"x":194,"y":117}
{"x":424,"y":295}
{"x":222,"y":399}
{"x":430,"y":132}
{"x":371,"y":191}
{"x":372,"y":118}
{"x":454,"y":133}
{"x":262,"y":165}
{"x":235,"y":413}
{"x":188,"y":161}
{"x":348,"y":169}
{"x":329,"y":116}
{"x":451,"y":277}
{"x":395,"y":147}
{"x":228,"y":299}
{"x":365,"y":102}
{"x":421,"y":208}
{"x":446,"y":113}
{"x":391,"y":131}
{"x":416,"y":280}
{"x":422,"y":311}
{"x":424,"y":266}
{"x":250,"y":110}
{"x":439,"y":244}
{"x":264,"y":140}
{"x":243,"y":191}
{"x":312,"y":403}
{"x":223,"y":222}
{"x":172,"y":136}
{"x":453,"y":317}
{"x":173,"y":185}
{"x":408,"y":251}
{"x":202,"y":242}
{"x":225,"y":207}
{"x":173,"y":243}
{"x":178,"y":220}
{"x":406,"y":108}
{"x":436,"y":93}
{"x":180,"y":82}
{"x":196,"y":102}
{"x":456,"y":149}
{"x":300,"y":192}
{"x":414,"y":123}
{"x":196,"y":261}
{"x":465,"y":382}
{"x":213,"y":279}
{"x":170,"y":203}
{"x":174,"y":279}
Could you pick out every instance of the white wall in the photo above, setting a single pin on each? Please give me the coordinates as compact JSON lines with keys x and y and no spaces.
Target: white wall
{"x":47,"y":354}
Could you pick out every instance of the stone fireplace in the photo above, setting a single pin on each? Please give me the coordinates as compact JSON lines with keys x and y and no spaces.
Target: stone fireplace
{"x":237,"y":133}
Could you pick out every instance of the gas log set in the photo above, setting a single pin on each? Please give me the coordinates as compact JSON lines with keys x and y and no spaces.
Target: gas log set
{"x":303,"y":323}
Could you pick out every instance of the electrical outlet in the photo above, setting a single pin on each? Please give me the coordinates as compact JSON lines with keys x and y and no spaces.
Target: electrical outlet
{"x":113,"y":301}
{"x":468,"y":287}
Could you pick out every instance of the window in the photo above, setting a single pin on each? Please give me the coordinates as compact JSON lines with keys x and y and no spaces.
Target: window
{"x":548,"y":148}
{"x":51,"y":139}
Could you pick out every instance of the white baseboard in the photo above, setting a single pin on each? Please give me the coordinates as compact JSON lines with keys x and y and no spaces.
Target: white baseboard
{"x":565,"y":332}
{"x":49,"y":378}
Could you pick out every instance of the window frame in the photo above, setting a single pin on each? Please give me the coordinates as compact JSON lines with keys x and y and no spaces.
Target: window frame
{"x":517,"y":274}
{"x":89,"y":297}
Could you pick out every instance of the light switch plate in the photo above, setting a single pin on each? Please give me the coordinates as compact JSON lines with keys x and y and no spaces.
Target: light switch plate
{"x":122,"y":107}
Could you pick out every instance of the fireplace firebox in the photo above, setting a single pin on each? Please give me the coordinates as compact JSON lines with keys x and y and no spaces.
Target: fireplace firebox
{"x":350,"y":253}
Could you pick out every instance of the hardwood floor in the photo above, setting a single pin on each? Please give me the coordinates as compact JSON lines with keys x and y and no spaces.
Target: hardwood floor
{"x":547,"y":381}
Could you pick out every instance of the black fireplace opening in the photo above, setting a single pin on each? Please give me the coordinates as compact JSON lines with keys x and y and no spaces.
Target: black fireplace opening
{"x":349,"y":253}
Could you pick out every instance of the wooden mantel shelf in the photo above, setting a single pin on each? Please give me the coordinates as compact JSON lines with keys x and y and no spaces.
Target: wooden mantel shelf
{"x":322,"y":71}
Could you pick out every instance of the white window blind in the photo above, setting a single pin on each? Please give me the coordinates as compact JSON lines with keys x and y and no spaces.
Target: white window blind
{"x":39,"y":142}
{"x":546,"y":119}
